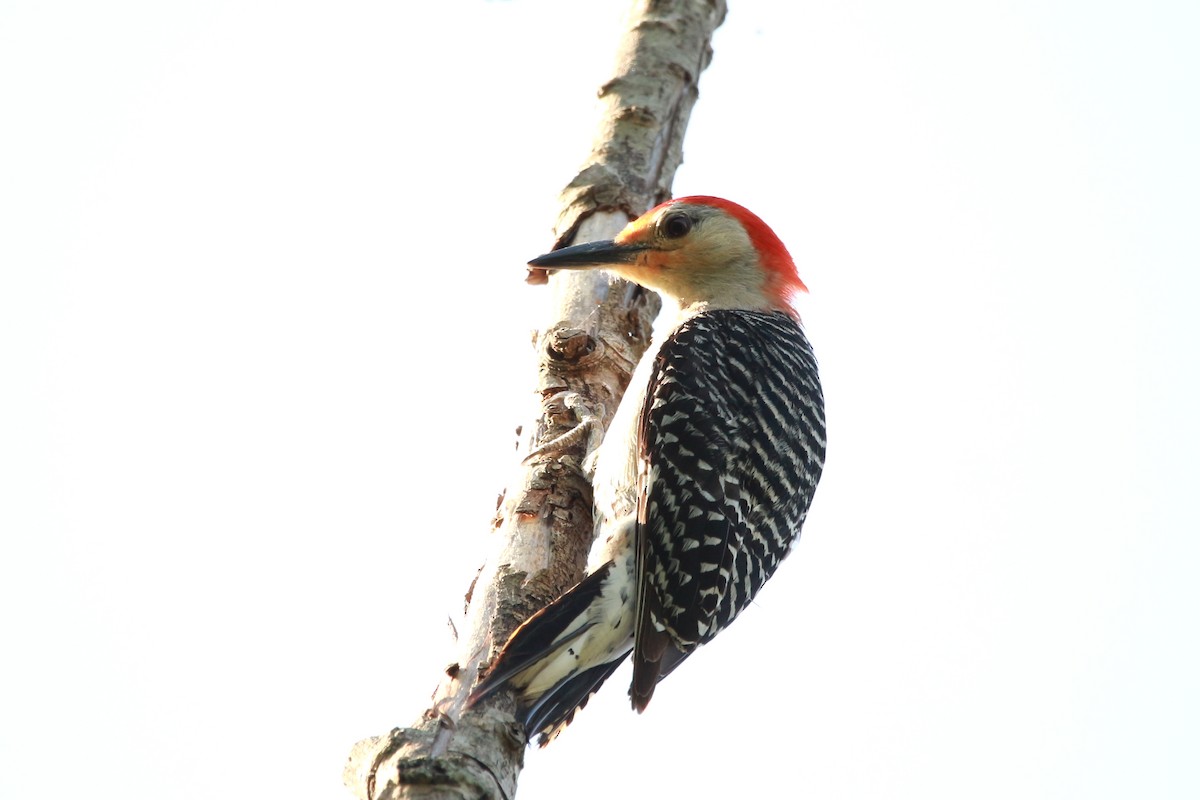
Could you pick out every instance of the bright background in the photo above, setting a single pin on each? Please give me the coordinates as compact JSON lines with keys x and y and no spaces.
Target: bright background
{"x":264,"y":339}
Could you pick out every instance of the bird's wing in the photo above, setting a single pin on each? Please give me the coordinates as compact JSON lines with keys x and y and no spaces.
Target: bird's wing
{"x":731,"y":443}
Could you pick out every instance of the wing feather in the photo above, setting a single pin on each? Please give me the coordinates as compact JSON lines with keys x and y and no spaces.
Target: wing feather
{"x":731,"y":442}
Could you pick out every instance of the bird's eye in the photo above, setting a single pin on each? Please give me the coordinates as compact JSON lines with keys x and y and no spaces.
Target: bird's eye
{"x":676,"y":226}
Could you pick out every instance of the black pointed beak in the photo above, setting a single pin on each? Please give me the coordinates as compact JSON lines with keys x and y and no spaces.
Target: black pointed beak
{"x":593,"y":255}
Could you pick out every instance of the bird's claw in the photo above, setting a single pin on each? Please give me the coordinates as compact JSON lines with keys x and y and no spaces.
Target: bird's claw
{"x":588,"y":426}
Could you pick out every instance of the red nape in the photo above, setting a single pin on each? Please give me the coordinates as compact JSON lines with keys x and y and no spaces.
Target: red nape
{"x":775,"y":256}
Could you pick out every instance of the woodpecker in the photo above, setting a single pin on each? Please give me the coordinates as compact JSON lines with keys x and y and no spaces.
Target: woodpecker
{"x":705,"y":475}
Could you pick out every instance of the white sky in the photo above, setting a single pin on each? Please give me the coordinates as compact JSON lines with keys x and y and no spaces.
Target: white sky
{"x":263,"y":334}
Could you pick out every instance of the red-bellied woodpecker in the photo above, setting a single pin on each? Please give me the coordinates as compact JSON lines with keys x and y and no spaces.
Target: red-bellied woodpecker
{"x":705,"y":475}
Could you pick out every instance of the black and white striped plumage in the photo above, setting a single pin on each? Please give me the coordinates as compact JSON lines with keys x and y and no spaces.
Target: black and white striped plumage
{"x":731,"y":446}
{"x":730,"y":441}
{"x":705,"y":475}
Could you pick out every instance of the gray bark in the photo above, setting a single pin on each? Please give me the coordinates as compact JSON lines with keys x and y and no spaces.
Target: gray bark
{"x":599,"y":327}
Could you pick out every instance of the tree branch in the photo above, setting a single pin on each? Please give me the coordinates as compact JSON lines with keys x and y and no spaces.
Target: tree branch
{"x":599,"y":328}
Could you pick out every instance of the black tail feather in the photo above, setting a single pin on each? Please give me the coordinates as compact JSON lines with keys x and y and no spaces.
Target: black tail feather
{"x":556,"y":708}
{"x":536,"y":637}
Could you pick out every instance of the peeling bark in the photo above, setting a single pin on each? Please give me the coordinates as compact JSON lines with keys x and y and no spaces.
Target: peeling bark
{"x":599,"y":327}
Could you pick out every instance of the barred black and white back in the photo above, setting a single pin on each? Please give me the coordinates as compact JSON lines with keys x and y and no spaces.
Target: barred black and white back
{"x":732,"y":443}
{"x":729,"y":454}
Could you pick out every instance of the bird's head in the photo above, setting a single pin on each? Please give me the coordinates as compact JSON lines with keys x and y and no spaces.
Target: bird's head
{"x":697,"y":250}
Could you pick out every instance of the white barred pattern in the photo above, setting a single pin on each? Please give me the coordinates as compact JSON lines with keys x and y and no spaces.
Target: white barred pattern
{"x":730,"y":442}
{"x":733,"y":441}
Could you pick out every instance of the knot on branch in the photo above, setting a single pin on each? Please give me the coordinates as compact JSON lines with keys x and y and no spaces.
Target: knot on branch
{"x":569,"y":344}
{"x":399,"y":764}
